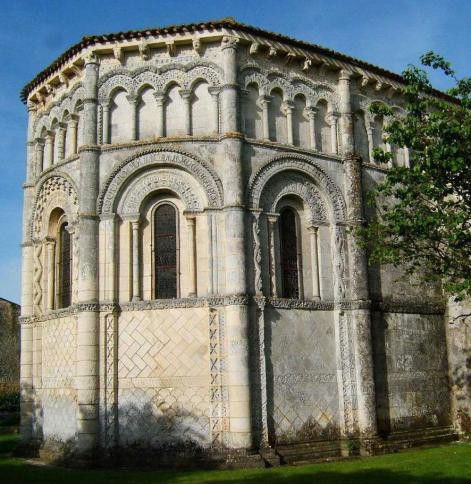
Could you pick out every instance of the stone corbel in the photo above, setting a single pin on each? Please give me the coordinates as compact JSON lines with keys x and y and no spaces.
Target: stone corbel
{"x":171,"y":48}
{"x":272,"y":52}
{"x":290,"y":58}
{"x":197,"y":46}
{"x":76,"y":70}
{"x":378,"y":86}
{"x":364,"y":81}
{"x":254,"y":48}
{"x":64,"y":79}
{"x":118,"y":54}
{"x":307,"y":64}
{"x":144,"y":51}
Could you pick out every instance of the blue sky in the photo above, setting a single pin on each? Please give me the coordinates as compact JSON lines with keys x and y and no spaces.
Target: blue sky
{"x":389,"y":33}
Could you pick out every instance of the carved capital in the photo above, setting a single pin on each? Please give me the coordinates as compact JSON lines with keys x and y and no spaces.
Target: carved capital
{"x":254,"y":48}
{"x":310,"y":112}
{"x":307,"y":64}
{"x":229,"y":42}
{"x":345,"y":75}
{"x":287,"y":107}
{"x":186,"y":94}
{"x":90,"y":57}
{"x":264,"y":100}
{"x":132,"y":98}
{"x":332,"y":117}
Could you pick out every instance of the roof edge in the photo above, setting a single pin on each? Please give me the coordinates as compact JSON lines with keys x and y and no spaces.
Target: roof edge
{"x":229,"y":23}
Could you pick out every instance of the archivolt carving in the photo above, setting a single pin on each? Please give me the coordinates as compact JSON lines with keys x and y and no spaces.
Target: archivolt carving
{"x":185,"y":75}
{"x":290,"y":85}
{"x":302,"y":164}
{"x":67,"y":102}
{"x":176,"y":181}
{"x":55,"y":191}
{"x":161,"y":157}
{"x":294,"y":184}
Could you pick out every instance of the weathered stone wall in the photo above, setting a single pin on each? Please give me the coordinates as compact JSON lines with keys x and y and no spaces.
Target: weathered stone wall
{"x":411,"y":371}
{"x":9,"y":343}
{"x":302,"y":375}
{"x":56,"y":371}
{"x":163,"y":378}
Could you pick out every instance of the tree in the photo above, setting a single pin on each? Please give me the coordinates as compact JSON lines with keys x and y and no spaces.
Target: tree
{"x":422,"y":215}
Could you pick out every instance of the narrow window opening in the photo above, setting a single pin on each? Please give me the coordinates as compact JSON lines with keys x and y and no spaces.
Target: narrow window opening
{"x":289,"y":254}
{"x":166,"y":252}
{"x":65,"y":264}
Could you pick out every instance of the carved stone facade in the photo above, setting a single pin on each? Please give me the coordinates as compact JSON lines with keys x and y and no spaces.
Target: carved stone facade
{"x":222,"y":167}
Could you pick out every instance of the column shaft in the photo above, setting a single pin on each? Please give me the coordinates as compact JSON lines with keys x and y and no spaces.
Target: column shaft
{"x":314,"y":231}
{"x":361,"y":318}
{"x":272,"y":221}
{"x":50,"y":244}
{"x":87,"y":372}
{"x":160,"y":115}
{"x":106,"y":124}
{"x":135,"y":262}
{"x":191,"y":226}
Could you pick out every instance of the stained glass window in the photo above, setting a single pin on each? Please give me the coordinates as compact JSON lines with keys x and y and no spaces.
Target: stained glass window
{"x":166,"y":251}
{"x":289,"y":254}
{"x":64,"y":272}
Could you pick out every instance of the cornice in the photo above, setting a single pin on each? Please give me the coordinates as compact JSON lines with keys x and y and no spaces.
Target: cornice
{"x":71,"y":62}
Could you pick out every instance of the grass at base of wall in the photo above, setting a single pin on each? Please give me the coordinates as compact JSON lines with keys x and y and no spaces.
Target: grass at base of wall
{"x":450,"y":464}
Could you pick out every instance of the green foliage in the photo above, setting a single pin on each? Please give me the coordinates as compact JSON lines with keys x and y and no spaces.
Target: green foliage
{"x":10,"y":401}
{"x":423,"y":213}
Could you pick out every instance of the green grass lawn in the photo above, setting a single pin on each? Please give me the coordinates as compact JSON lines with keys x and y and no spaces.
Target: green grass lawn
{"x":449,"y":464}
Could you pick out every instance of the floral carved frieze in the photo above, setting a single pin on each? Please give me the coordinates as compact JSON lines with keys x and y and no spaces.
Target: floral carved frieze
{"x":55,"y":191}
{"x":300,"y":164}
{"x":201,"y":171}
{"x":176,"y":181}
{"x":159,"y":78}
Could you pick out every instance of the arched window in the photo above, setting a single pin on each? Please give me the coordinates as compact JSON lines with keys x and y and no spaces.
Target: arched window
{"x":64,"y":268}
{"x":201,"y":111}
{"x":174,"y":113}
{"x":290,"y":257}
{"x":252,"y":113}
{"x":361,"y":135}
{"x":166,"y":252}
{"x":300,"y":123}
{"x":120,"y":116}
{"x":276,"y":119}
{"x":324,"y":137}
{"x":146,"y":114}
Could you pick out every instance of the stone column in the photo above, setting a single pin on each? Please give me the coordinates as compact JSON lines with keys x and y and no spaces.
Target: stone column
{"x":214,"y":91}
{"x":37,"y":381}
{"x":49,"y":150}
{"x":191,"y":247}
{"x":61,"y":132}
{"x":346,"y":115}
{"x":314,"y":232}
{"x":50,"y":250}
{"x":311,"y":113}
{"x":39,"y":148}
{"x":26,"y":358}
{"x":288,"y":107}
{"x":87,"y":381}
{"x":369,"y":132}
{"x":272,"y":221}
{"x":263,"y":101}
{"x":359,"y":293}
{"x":136,"y":276}
{"x":160,"y":116}
{"x":237,"y":317}
{"x":73,"y":124}
{"x":332,"y":118}
{"x":186,"y":96}
{"x":133,"y":102}
{"x":105,"y":127}
{"x":110,"y":262}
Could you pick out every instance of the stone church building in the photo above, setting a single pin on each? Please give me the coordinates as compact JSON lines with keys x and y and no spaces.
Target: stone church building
{"x":191,"y":285}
